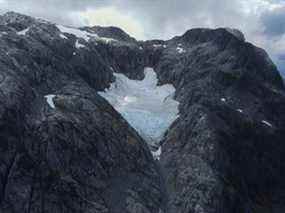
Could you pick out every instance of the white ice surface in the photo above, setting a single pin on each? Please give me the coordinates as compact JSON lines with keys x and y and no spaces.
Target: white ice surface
{"x":149,"y":108}
{"x":50,"y":100}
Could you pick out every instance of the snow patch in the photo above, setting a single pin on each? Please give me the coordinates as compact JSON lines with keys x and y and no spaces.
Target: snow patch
{"x":156,"y":154}
{"x":78,"y":33}
{"x":3,"y":33}
{"x":50,"y":100}
{"x":180,"y":50}
{"x":267,"y":123}
{"x":149,"y":108}
{"x":83,"y":34}
{"x":106,"y":40}
{"x":62,"y":36}
{"x":78,"y":45}
{"x":23,"y":32}
{"x":157,"y":45}
{"x":223,"y":99}
{"x":240,"y":110}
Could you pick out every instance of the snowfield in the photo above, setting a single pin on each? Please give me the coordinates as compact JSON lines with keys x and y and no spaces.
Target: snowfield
{"x":83,"y":34}
{"x":149,"y":108}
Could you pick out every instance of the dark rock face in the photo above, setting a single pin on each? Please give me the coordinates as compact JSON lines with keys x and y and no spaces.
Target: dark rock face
{"x":220,"y":155}
{"x":225,"y":153}
{"x":81,"y":156}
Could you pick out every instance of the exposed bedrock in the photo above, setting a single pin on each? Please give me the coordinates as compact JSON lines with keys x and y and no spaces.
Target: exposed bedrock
{"x":225,"y":152}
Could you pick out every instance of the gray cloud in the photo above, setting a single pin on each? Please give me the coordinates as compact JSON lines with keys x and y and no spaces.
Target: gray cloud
{"x":274,"y":22}
{"x":282,"y":57}
{"x":280,"y":62}
{"x":161,"y":18}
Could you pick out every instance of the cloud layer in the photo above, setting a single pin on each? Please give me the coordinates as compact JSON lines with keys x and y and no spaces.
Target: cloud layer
{"x":262,"y":21}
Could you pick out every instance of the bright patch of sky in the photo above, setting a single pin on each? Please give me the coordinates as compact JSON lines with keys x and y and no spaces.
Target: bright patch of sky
{"x":149,"y":108}
{"x":110,"y":16}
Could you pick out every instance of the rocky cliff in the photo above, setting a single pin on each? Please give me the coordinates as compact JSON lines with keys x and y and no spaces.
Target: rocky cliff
{"x":225,"y":152}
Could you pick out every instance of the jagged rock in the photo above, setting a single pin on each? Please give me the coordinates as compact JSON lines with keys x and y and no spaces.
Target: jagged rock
{"x":220,"y":155}
{"x":236,"y":33}
{"x":224,"y":153}
{"x":80,"y":156}
{"x":111,"y":32}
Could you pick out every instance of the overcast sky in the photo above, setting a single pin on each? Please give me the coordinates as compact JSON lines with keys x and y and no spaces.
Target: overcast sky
{"x":262,"y":21}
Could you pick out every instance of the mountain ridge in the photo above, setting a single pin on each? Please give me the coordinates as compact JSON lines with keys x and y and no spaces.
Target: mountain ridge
{"x":223,"y":154}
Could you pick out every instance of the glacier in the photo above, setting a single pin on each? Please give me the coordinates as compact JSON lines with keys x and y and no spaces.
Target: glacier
{"x":150,"y":109}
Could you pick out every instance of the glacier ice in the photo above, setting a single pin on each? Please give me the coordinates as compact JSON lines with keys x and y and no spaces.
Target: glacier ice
{"x":149,"y":108}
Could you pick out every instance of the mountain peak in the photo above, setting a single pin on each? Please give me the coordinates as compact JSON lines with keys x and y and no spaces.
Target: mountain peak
{"x":111,"y":32}
{"x":16,"y":20}
{"x":212,"y":104}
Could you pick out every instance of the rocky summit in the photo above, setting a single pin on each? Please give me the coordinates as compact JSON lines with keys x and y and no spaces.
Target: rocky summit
{"x":66,"y":149}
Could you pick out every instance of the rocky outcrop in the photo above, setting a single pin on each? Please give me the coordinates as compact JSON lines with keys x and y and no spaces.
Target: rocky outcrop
{"x":81,"y":156}
{"x":224,"y":153}
{"x":111,"y":32}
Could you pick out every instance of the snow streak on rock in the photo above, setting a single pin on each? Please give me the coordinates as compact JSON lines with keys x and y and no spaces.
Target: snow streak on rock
{"x":50,"y":100}
{"x":78,"y":45}
{"x":149,"y":108}
{"x":180,"y":50}
{"x":23,"y":32}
